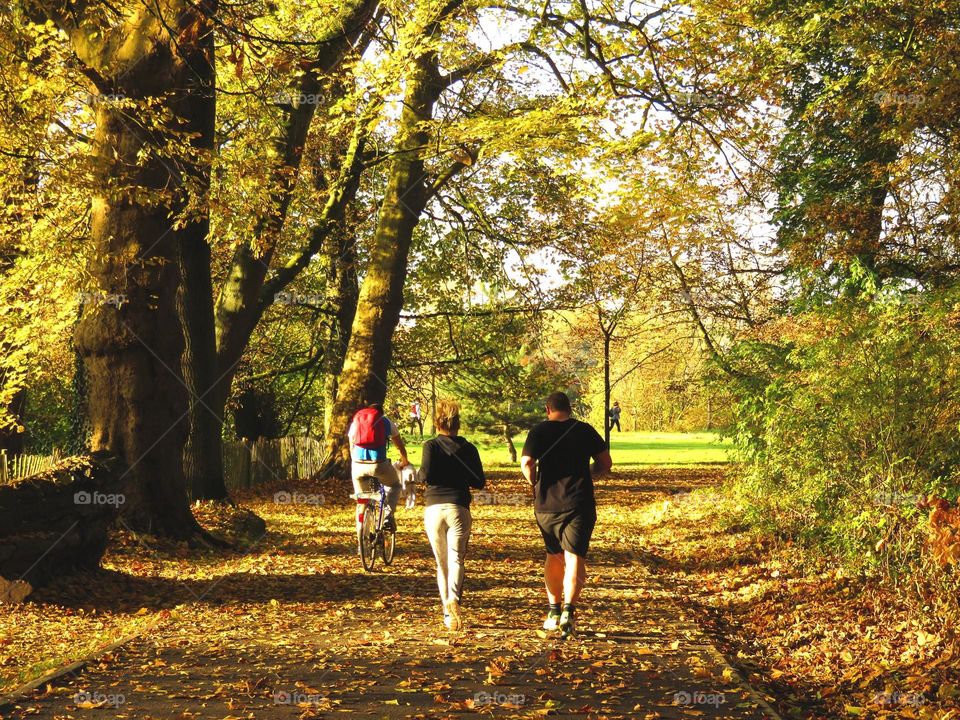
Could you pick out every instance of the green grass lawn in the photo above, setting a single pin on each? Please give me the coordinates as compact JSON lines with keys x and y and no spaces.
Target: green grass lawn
{"x":637,"y":448}
{"x":628,"y":448}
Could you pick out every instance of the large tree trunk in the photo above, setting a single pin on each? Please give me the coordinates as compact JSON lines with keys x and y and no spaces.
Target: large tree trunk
{"x":342,"y":292}
{"x":433,"y":401}
{"x":866,"y":242}
{"x":364,"y":376}
{"x":132,"y":345}
{"x":235,"y":327}
{"x":203,"y":452}
{"x":130,"y":340}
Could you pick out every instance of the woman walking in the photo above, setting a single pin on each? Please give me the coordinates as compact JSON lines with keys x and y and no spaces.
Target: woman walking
{"x":449,"y":468}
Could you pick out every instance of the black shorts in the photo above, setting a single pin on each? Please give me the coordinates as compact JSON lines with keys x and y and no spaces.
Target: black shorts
{"x":570,"y":530}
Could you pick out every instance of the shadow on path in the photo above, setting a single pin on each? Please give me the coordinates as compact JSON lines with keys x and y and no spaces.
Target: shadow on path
{"x":275,"y":641}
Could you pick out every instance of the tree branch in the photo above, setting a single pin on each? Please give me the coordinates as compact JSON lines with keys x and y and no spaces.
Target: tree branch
{"x":698,"y":320}
{"x":305,"y":365}
{"x":340,"y":196}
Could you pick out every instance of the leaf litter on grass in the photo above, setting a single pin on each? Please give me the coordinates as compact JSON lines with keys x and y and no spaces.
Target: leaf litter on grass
{"x":822,"y":644}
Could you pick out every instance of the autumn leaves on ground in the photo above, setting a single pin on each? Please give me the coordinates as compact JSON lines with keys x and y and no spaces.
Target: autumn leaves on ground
{"x":291,"y":626}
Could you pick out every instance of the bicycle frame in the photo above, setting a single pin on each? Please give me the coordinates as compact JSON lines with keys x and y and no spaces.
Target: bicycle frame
{"x":373,"y":538}
{"x":364,"y":499}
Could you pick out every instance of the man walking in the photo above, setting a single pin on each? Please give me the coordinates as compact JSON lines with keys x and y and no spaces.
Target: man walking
{"x":556,"y":462}
{"x":615,"y":416}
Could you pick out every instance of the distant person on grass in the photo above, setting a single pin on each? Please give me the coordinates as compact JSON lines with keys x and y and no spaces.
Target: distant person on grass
{"x":416,"y":417}
{"x":369,"y":433}
{"x":449,"y":468}
{"x":615,"y":416}
{"x":556,"y":462}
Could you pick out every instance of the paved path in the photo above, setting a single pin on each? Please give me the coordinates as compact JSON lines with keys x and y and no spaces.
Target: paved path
{"x":297,"y":630}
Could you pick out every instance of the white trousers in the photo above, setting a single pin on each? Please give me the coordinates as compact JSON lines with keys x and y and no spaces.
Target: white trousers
{"x":448,"y":528}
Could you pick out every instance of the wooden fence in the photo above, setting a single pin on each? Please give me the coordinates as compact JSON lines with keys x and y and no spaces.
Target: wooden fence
{"x":19,"y":466}
{"x":286,"y":458}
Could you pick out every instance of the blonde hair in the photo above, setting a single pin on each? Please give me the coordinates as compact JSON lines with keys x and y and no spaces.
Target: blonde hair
{"x":446,"y":416}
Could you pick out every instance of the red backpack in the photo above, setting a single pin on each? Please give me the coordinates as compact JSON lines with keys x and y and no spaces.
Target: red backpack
{"x":371,"y":429}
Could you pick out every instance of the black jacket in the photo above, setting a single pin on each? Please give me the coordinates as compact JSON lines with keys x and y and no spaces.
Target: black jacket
{"x":450,"y":466}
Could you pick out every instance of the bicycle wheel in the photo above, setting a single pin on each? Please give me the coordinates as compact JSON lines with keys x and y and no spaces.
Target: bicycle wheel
{"x":388,"y":545}
{"x":368,"y":536}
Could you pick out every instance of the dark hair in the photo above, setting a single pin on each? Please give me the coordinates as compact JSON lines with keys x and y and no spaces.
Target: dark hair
{"x":558,"y":402}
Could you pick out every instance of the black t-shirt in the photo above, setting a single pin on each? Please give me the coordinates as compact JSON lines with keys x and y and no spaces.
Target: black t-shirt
{"x":563,"y":449}
{"x":449,"y":467}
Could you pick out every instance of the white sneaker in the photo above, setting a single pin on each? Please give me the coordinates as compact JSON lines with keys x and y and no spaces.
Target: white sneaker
{"x":552,"y":622}
{"x":566,"y":623}
{"x":452,"y":615}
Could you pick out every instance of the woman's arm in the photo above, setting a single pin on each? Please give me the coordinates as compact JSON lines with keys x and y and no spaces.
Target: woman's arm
{"x":477,"y":479}
{"x":423,"y":474}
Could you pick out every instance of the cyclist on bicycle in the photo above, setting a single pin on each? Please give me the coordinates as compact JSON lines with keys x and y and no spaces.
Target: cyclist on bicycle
{"x":369,"y":433}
